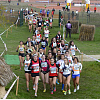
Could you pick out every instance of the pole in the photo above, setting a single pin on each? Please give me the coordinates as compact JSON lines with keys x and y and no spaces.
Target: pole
{"x":59,"y":17}
{"x":82,"y":58}
{"x":60,"y":25}
{"x":17,"y":86}
{"x":16,"y":25}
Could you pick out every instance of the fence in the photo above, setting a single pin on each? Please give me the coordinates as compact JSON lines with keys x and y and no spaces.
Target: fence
{"x":83,"y":17}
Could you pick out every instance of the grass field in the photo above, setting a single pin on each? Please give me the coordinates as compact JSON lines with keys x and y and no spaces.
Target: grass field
{"x":89,"y":81}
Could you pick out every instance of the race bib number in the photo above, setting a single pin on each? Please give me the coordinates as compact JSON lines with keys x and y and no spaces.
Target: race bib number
{"x":36,"y":68}
{"x":54,"y":44}
{"x":39,"y":23}
{"x":21,"y":49}
{"x":44,"y":64}
{"x":53,"y":70}
{"x":43,"y":43}
{"x":76,"y":67}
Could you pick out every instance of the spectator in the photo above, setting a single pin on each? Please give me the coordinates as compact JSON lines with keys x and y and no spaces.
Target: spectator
{"x":95,"y":9}
{"x":48,"y":13}
{"x":68,"y":29}
{"x":40,"y":11}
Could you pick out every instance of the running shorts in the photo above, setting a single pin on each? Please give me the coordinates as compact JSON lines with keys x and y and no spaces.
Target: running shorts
{"x":28,"y":72}
{"x":34,"y":74}
{"x":22,"y":54}
{"x":52,"y":76}
{"x":66,"y":75}
{"x":74,"y":76}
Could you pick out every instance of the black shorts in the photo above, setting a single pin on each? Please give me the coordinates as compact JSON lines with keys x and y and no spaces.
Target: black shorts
{"x":34,"y":74}
{"x":37,"y":43}
{"x":44,"y":72}
{"x":28,"y":72}
{"x":39,"y":26}
{"x":58,"y":45}
{"x":52,"y":76}
{"x":30,"y":24}
{"x":66,"y":75}
{"x":22,"y":54}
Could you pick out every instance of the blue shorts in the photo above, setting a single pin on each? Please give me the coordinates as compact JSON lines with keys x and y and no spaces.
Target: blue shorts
{"x":74,"y":76}
{"x":66,"y":75}
{"x":43,"y":48}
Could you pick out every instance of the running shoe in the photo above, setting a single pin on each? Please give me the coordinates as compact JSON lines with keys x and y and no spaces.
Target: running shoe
{"x":27,"y":89}
{"x":54,"y":89}
{"x":78,"y":87}
{"x":65,"y":92}
{"x":35,"y":94}
{"x":57,"y":82}
{"x":44,"y":90}
{"x":69,"y":92}
{"x":51,"y":92}
{"x":74,"y":90}
{"x":39,"y":79}
{"x":33,"y":87}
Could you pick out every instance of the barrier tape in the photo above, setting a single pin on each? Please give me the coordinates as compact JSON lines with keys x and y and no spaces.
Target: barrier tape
{"x":80,"y":51}
{"x":10,"y":88}
{"x":3,"y":33}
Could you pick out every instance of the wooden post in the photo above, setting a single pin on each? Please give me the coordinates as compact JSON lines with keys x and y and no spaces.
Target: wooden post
{"x":82,"y":58}
{"x":60,"y":25}
{"x":16,"y":25}
{"x":17,"y":86}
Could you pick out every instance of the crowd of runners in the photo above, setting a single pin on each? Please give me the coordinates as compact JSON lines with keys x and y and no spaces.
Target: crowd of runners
{"x":55,"y":66}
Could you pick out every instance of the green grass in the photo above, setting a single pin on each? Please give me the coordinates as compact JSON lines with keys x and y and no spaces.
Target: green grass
{"x":21,"y":33}
{"x":89,"y":82}
{"x":89,"y":85}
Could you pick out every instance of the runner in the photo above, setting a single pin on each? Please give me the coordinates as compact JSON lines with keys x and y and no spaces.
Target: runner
{"x":65,"y":48}
{"x":40,"y":53}
{"x":34,"y":67}
{"x":72,"y":48}
{"x":50,"y":22}
{"x":67,"y":55}
{"x":27,"y":72}
{"x":53,"y":75}
{"x":39,"y":25}
{"x":44,"y":25}
{"x":58,"y":55}
{"x":33,"y":41}
{"x":34,"y":24}
{"x":66,"y":68}
{"x":21,"y":48}
{"x":58,"y":39}
{"x":44,"y":43}
{"x":44,"y":67}
{"x":38,"y":39}
{"x":27,"y":42}
{"x":25,"y":17}
{"x":62,"y":45}
{"x":76,"y":70}
{"x":49,"y":56}
{"x":53,"y":44}
{"x":30,"y":24}
{"x":30,"y":50}
{"x":60,"y":63}
{"x":47,"y":32}
{"x":47,"y":21}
